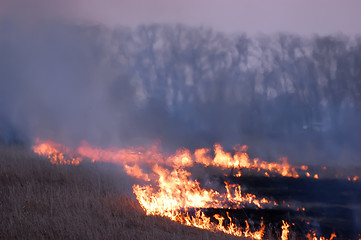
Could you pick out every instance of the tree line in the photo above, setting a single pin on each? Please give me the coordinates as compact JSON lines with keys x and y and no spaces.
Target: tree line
{"x":193,"y":85}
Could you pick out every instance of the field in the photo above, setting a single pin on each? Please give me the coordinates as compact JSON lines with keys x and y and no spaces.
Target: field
{"x":39,"y":200}
{"x":95,"y":200}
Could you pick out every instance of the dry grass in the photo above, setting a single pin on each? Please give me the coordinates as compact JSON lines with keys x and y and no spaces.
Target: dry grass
{"x":42,"y":201}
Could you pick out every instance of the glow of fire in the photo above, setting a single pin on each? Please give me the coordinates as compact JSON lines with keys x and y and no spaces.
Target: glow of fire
{"x":172,"y":191}
{"x":55,"y":152}
{"x":285,"y":230}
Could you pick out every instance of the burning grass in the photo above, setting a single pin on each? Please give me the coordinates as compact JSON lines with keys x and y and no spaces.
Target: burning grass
{"x":39,"y":200}
{"x":91,"y":186}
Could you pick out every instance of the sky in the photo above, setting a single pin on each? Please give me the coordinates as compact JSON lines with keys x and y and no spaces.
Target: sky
{"x":302,"y":17}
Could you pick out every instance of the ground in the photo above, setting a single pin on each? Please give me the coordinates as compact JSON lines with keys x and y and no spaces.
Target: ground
{"x":39,"y":200}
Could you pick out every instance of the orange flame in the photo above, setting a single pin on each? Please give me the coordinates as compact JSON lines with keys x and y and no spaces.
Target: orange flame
{"x":172,"y":191}
{"x":314,"y":237}
{"x":55,"y":153}
{"x":285,"y":230}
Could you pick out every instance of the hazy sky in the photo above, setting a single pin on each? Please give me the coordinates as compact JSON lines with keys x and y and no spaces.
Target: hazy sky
{"x":304,"y":17}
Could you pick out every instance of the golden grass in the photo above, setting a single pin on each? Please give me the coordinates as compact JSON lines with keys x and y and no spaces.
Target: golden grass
{"x":39,"y":200}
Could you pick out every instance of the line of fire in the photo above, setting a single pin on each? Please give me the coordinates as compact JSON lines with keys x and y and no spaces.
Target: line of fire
{"x":230,"y":192}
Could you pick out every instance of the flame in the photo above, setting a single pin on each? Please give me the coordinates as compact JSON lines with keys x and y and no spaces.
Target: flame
{"x":136,"y":172}
{"x":285,"y":230}
{"x":55,"y":153}
{"x":241,"y":160}
{"x":314,"y":237}
{"x":168,"y":188}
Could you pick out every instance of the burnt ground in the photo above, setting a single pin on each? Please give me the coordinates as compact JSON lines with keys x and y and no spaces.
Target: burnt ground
{"x":331,"y":205}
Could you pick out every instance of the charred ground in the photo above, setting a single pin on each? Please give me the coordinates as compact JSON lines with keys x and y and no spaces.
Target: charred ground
{"x":330,"y":205}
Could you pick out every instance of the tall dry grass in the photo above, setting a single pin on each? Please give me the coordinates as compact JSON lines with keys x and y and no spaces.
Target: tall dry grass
{"x":39,"y":200}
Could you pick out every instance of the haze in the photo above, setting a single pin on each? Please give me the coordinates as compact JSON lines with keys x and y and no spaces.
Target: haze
{"x":70,"y":72}
{"x":302,"y":17}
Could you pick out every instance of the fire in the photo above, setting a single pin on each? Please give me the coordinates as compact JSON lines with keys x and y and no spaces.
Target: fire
{"x":55,"y":152}
{"x":314,"y":237}
{"x":241,"y":160}
{"x":168,"y":188}
{"x":137,"y":172}
{"x":285,"y":230}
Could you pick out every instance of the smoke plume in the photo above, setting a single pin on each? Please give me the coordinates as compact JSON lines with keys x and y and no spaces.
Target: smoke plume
{"x":282,"y":94}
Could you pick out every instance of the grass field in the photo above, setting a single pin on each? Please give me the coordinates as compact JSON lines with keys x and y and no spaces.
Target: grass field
{"x":39,"y":200}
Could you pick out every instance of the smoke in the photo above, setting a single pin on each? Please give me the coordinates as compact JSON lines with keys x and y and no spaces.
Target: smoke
{"x":65,"y":82}
{"x":54,"y":83}
{"x":182,"y":86}
{"x":227,"y":15}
